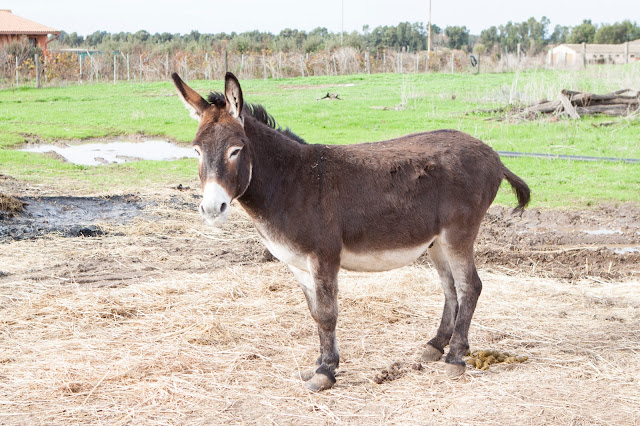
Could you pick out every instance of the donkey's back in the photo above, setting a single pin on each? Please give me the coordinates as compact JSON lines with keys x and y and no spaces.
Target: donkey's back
{"x":403,"y":193}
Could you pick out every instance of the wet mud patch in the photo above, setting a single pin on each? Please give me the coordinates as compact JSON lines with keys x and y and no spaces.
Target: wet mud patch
{"x":566,"y":244}
{"x":68,"y":216}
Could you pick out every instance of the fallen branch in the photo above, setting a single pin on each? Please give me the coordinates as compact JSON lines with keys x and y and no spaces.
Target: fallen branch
{"x":569,"y":109}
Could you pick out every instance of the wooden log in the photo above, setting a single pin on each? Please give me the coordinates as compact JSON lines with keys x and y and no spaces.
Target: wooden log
{"x":568,"y":108}
{"x":613,"y":110}
{"x":633,"y":93}
{"x":545,"y":108}
{"x":583,"y":98}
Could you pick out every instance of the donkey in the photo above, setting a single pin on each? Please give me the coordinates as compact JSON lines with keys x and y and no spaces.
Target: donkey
{"x":364,"y":207}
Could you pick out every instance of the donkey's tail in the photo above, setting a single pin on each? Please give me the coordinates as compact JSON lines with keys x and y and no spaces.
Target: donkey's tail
{"x":520,"y":187}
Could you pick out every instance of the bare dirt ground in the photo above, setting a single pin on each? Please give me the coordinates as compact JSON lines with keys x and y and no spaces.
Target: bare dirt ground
{"x":157,"y":319}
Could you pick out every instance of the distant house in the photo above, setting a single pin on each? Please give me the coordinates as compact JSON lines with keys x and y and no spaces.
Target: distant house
{"x":13,"y":27}
{"x":579,"y":54}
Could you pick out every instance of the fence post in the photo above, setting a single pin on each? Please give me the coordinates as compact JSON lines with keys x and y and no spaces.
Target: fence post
{"x":417,"y":62}
{"x":264,"y":65}
{"x":626,"y":52}
{"x":17,"y":75}
{"x":368,"y":62}
{"x":280,"y":64}
{"x":128,"y":69}
{"x":384,"y":62}
{"x":584,"y":55}
{"x":452,"y":59}
{"x":80,"y":62}
{"x":186,"y":69}
{"x":226,"y":62}
{"x":140,"y":69}
{"x":37,"y":60}
{"x":115,"y":67}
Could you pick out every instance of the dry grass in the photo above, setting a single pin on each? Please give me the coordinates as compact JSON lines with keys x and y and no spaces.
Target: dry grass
{"x":10,"y":204}
{"x":221,"y":344}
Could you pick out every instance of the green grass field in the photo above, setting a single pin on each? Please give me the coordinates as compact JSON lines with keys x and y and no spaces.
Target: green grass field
{"x":430,"y":101}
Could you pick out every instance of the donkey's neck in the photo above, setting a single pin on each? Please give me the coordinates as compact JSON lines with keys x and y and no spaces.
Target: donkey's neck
{"x":276,"y":158}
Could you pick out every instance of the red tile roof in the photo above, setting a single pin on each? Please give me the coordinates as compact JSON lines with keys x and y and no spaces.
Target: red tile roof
{"x":13,"y":24}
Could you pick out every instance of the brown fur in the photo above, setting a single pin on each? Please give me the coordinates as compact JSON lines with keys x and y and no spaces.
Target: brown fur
{"x":321,"y":201}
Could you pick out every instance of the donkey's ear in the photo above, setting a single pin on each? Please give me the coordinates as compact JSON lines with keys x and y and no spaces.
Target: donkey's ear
{"x":192,"y":100}
{"x":233,"y":95}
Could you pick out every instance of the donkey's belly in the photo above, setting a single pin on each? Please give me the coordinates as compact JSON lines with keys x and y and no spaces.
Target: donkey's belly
{"x":380,"y":260}
{"x":360,"y":261}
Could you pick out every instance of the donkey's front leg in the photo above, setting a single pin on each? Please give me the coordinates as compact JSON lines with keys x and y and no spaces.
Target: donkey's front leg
{"x":320,"y":287}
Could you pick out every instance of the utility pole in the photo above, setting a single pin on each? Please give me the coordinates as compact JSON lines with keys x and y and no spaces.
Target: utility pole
{"x":342,"y":25}
{"x":429,"y":37}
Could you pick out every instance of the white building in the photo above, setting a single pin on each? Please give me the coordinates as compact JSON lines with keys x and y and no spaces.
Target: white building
{"x":581,"y":54}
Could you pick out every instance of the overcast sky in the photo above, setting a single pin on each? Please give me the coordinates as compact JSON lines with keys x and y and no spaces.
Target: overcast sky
{"x":213,"y":16}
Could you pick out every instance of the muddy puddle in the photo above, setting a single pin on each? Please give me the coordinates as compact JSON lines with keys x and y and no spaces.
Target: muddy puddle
{"x":68,"y":216}
{"x":98,"y":153}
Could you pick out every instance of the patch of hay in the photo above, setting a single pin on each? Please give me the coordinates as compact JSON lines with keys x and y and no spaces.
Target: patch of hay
{"x":11,"y":204}
{"x":187,"y":326}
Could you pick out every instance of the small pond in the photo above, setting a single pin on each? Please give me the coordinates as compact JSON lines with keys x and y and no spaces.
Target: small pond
{"x":97,"y":153}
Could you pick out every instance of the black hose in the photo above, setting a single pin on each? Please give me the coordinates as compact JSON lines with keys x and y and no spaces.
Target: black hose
{"x":567,"y":157}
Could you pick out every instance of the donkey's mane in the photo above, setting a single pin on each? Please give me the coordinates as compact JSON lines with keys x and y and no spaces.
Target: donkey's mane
{"x":258,"y":112}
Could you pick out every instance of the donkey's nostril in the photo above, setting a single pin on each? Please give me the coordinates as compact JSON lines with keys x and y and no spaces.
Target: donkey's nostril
{"x":223,"y":207}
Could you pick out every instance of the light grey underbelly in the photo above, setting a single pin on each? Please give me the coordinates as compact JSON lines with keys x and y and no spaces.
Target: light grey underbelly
{"x":380,"y":260}
{"x":366,"y":261}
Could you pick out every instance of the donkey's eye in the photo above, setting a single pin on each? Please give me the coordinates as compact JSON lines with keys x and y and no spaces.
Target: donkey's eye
{"x":197,"y":150}
{"x":234,"y":151}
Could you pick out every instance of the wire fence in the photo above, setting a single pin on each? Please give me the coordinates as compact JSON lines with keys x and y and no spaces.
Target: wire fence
{"x":56,"y":68}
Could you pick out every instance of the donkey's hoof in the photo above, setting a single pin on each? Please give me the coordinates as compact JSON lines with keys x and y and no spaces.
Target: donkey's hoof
{"x":306,"y":374}
{"x":431,"y":354}
{"x":319,"y":382}
{"x":454,"y":370}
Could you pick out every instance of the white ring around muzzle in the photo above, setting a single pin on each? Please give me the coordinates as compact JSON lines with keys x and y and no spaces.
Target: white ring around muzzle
{"x":215,"y":204}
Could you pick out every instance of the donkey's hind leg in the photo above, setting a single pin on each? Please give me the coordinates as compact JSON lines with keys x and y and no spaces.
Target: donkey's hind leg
{"x":468,"y":287}
{"x":435,"y":347}
{"x":321,"y":291}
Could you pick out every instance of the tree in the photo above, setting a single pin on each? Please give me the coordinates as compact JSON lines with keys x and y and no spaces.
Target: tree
{"x":617,"y":33}
{"x":96,"y":38}
{"x":458,"y":37}
{"x":142,"y":35}
{"x":583,"y":33}
{"x":559,"y":35}
{"x":490,"y":38}
{"x":537,"y":34}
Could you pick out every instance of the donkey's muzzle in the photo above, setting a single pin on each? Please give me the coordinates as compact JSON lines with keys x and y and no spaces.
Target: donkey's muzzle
{"x":215,"y":204}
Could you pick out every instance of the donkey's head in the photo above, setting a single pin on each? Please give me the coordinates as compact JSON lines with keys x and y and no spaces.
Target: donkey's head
{"x":224,"y":155}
